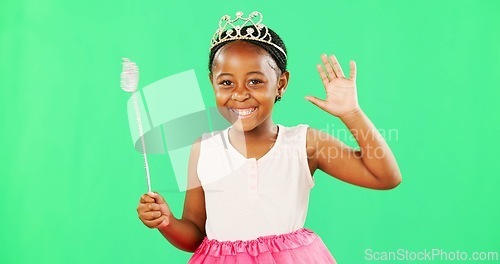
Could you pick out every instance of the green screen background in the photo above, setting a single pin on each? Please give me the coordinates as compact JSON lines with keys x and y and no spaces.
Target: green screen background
{"x":71,"y":180}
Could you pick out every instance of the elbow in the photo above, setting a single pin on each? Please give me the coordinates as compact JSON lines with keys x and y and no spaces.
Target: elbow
{"x":394,"y":184}
{"x":391,"y":181}
{"x":191,"y":248}
{"x":194,"y":246}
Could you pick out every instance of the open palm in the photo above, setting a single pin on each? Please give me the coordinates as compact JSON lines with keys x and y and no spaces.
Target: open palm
{"x":341,"y":96}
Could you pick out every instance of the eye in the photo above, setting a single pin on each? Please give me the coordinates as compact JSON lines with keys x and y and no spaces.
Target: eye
{"x":225,"y":83}
{"x":255,"y":81}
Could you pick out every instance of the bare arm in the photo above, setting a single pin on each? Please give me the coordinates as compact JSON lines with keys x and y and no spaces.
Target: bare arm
{"x":188,"y":232}
{"x":374,"y":165}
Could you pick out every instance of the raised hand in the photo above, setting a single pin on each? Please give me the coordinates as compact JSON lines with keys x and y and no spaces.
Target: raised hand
{"x":341,"y":96}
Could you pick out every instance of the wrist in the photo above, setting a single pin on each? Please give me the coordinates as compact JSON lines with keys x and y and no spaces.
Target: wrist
{"x":168,"y":223}
{"x":351,"y":115}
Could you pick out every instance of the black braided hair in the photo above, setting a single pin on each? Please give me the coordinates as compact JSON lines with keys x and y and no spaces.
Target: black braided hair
{"x":275,"y":53}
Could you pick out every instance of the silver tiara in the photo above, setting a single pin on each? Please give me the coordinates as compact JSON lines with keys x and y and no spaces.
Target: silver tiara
{"x":233,"y":32}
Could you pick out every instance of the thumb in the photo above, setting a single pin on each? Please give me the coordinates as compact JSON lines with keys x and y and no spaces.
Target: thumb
{"x":318,"y":102}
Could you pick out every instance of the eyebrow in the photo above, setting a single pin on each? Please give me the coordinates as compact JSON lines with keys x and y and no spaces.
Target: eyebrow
{"x":248,"y":73}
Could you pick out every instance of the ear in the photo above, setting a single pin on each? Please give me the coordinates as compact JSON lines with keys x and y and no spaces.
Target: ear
{"x":283,"y":82}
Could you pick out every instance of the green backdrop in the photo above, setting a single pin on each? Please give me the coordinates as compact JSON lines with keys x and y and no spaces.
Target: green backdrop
{"x":71,"y":179}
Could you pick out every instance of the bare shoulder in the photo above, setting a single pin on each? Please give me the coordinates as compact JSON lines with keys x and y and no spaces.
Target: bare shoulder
{"x":195,"y":148}
{"x":315,"y":139}
{"x":312,"y":135}
{"x":194,"y":203}
{"x":194,"y":156}
{"x":312,"y":145}
{"x":324,"y":151}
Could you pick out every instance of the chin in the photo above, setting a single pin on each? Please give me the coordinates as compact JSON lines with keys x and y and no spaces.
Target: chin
{"x":243,"y":125}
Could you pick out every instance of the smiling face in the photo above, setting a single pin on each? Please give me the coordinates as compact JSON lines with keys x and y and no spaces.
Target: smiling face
{"x":245,"y":82}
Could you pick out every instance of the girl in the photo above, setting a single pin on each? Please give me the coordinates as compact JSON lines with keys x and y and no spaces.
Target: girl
{"x":249,"y":184}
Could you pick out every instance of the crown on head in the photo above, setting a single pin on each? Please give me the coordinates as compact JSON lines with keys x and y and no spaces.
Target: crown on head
{"x":256,"y":30}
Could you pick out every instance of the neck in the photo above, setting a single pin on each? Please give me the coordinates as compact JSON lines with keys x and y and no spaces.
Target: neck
{"x":265,"y":130}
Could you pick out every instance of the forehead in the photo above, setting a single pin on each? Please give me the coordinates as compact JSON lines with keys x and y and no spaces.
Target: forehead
{"x":242,"y":56}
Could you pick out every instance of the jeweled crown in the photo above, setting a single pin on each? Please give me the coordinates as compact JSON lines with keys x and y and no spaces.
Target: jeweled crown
{"x":256,"y":30}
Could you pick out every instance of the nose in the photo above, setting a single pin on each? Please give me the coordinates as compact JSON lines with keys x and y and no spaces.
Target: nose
{"x":240,"y":94}
{"x":240,"y":97}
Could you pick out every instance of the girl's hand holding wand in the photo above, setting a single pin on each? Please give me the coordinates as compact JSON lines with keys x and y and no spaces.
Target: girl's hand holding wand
{"x":374,"y":165}
{"x":154,"y":211}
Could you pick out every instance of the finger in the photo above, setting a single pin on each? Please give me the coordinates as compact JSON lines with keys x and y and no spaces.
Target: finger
{"x":146,"y":207}
{"x":328,"y":66}
{"x":318,"y":102}
{"x":147,"y":199}
{"x":353,"y":70}
{"x":141,"y":208}
{"x":336,"y":66}
{"x":151,"y":215}
{"x":157,"y":197}
{"x":155,"y":223}
{"x":322,"y":74}
{"x":153,"y":207}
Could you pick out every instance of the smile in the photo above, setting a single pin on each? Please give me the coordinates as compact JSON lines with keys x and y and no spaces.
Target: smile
{"x":243,"y":112}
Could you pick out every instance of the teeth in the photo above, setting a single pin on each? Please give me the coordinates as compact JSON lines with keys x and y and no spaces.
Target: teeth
{"x":243,"y":112}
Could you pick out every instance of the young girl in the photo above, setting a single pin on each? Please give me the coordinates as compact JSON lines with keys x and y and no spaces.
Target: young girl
{"x":249,"y":184}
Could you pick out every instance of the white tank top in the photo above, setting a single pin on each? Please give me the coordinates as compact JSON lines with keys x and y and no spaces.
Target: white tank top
{"x":249,"y":198}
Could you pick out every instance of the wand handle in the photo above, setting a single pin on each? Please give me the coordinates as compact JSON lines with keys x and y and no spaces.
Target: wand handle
{"x":141,"y":135}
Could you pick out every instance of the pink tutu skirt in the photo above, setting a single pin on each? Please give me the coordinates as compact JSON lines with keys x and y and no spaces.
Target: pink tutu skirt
{"x":301,"y":246}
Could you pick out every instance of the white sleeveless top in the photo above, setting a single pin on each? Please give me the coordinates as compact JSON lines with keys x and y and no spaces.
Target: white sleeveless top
{"x":249,"y":198}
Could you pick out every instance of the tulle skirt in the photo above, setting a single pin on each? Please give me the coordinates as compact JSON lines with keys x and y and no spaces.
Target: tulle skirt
{"x":302,"y":246}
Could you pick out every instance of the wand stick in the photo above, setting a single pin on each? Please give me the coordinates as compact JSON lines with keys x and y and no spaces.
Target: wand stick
{"x":129,"y":80}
